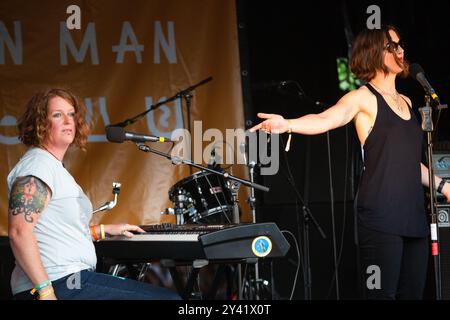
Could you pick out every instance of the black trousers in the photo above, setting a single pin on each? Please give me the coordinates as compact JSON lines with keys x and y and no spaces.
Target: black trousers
{"x":392,"y":266}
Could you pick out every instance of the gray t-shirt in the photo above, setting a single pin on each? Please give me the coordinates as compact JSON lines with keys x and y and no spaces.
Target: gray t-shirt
{"x":62,"y":231}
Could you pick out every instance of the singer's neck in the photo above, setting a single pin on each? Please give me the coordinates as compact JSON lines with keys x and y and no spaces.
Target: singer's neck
{"x":385,"y":82}
{"x":58,"y":153}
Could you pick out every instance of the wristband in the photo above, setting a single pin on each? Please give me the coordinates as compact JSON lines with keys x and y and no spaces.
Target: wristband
{"x":102,"y":230}
{"x":288,"y":144}
{"x":94,"y":233}
{"x":441,"y":186}
{"x":46,"y":294}
{"x":41,"y":286}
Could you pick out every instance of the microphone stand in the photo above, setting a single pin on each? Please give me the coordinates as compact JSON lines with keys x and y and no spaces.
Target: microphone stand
{"x":427,"y":126}
{"x":178,"y":95}
{"x":225,"y":175}
{"x":252,"y":203}
{"x":110,"y":204}
{"x":186,"y":93}
{"x":187,"y":97}
{"x":307,"y":215}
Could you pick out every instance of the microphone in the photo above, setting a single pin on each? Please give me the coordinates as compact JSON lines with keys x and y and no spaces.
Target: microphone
{"x":417,"y":72}
{"x":119,"y":135}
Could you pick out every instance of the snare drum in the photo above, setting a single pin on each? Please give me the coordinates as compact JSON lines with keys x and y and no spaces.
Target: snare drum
{"x":203,"y":197}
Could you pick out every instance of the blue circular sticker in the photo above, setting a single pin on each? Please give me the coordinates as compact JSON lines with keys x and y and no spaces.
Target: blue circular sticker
{"x":261,"y":246}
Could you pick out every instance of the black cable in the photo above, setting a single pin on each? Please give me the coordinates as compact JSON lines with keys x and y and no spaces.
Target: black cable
{"x":436,"y":126}
{"x":333,"y":226}
{"x":290,"y":178}
{"x":298,"y":264}
{"x":344,"y":213}
{"x":244,"y":275}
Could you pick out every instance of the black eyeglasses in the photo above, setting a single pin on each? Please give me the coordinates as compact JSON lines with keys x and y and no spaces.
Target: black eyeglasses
{"x":395,"y":46}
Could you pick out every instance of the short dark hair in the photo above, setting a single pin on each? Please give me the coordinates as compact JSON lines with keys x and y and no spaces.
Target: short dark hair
{"x":368,"y":52}
{"x":33,"y":125}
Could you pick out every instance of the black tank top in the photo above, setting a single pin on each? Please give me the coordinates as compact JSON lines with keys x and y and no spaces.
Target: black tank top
{"x":390,"y":196}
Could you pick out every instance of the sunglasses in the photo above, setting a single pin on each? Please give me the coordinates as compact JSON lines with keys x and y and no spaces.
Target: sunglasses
{"x":395,"y":46}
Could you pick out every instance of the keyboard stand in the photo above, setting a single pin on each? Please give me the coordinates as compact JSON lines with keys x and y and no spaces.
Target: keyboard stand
{"x":186,"y":292}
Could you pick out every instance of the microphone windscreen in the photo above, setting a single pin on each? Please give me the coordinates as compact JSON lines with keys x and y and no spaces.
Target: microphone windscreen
{"x":414,"y":70}
{"x":115,"y":134}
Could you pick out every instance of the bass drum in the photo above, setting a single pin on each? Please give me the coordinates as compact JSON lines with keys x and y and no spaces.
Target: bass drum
{"x":203,"y":198}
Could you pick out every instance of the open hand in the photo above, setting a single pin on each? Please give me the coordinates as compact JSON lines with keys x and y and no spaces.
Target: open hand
{"x":274,"y":123}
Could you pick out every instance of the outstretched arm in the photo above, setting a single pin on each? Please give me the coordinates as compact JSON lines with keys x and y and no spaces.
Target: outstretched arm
{"x":337,"y":116}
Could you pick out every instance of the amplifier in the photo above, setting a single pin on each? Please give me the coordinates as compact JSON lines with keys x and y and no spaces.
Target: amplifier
{"x":441,"y":163}
{"x":443,"y":214}
{"x":441,"y":166}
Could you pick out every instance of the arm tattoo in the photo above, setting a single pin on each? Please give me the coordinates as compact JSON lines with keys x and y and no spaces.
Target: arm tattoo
{"x":28,"y":196}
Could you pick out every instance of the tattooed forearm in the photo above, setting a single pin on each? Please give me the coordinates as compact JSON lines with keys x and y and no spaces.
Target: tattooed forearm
{"x":28,"y":196}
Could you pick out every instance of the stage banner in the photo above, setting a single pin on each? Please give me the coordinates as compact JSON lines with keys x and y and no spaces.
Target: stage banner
{"x":121,"y":57}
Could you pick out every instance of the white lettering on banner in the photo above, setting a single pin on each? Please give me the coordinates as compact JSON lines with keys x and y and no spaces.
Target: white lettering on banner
{"x":104,"y":115}
{"x":89,"y":41}
{"x":168,"y":47}
{"x":14,"y":49}
{"x":8,"y":121}
{"x":127,"y":32}
{"x":74,"y":20}
{"x":163,"y":121}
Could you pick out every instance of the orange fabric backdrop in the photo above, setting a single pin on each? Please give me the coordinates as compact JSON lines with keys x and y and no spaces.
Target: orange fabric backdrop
{"x":194,"y":39}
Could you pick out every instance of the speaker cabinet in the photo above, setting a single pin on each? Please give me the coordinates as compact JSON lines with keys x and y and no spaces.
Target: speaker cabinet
{"x":443,"y":213}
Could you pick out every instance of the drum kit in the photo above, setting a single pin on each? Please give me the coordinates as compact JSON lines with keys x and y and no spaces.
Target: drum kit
{"x":202,"y":198}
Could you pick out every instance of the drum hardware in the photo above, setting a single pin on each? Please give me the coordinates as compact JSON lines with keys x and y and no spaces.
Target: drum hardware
{"x":202,"y":198}
{"x":110,"y":204}
{"x":234,"y":186}
{"x":214,"y":191}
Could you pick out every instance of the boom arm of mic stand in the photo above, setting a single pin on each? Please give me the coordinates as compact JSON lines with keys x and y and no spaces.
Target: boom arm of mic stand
{"x":188,"y":90}
{"x":155,"y":106}
{"x":226,"y":175}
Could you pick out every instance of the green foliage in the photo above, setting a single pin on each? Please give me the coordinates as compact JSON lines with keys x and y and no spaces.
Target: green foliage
{"x":347,"y":80}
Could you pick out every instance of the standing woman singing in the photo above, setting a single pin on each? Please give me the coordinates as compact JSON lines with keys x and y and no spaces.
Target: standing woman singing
{"x":392,"y":225}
